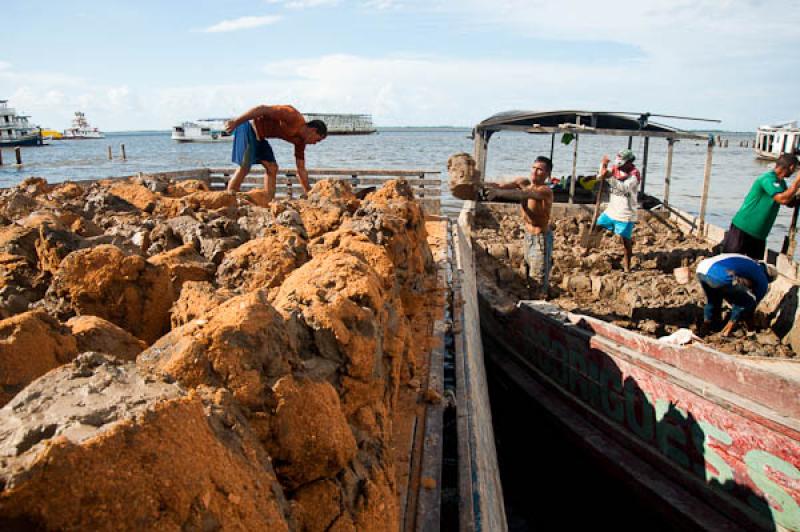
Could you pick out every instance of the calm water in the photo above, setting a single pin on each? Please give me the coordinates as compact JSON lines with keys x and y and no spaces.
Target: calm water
{"x":510,"y":154}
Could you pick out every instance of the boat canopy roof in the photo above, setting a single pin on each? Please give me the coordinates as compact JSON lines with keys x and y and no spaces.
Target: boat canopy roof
{"x":584,"y":122}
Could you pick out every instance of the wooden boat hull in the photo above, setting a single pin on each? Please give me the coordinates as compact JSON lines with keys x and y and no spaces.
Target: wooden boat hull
{"x":32,"y":140}
{"x":738,"y":457}
{"x":714,"y":436}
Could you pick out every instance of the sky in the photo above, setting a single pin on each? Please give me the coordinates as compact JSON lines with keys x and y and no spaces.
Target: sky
{"x":152,"y":64}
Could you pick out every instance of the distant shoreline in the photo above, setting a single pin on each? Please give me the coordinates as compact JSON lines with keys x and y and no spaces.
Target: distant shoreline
{"x":412,"y":129}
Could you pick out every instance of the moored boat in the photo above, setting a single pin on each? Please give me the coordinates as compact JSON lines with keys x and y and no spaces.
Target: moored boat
{"x":202,"y":130}
{"x":774,"y":140}
{"x":344,"y":124}
{"x":711,"y":435}
{"x":81,"y":129}
{"x":15,"y":129}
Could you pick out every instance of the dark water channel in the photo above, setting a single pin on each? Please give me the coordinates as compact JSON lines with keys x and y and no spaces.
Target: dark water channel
{"x":550,"y":482}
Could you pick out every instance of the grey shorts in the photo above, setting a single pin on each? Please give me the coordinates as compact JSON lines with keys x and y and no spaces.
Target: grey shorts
{"x":539,"y":257}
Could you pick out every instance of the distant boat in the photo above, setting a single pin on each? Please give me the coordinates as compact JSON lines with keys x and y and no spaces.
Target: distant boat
{"x":15,"y":129}
{"x":772,"y":141}
{"x":344,"y":124}
{"x":51,"y":133}
{"x":202,"y":130}
{"x":81,"y":129}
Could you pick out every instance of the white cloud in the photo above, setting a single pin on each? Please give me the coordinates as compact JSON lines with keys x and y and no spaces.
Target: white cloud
{"x":381,"y":4}
{"x":304,"y":4}
{"x":4,"y":65}
{"x":242,"y":23}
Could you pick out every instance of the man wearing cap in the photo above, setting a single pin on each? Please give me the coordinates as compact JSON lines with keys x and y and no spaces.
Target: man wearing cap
{"x":753,"y":222}
{"x":251,"y":131}
{"x":620,"y":215}
{"x":737,"y":279}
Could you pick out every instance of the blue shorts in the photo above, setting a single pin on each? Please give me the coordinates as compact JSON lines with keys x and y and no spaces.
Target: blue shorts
{"x":623,"y":229}
{"x":247,"y":149}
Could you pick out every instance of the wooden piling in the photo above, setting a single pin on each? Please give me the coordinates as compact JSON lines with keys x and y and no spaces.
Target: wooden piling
{"x":701,"y":219}
{"x":122,"y":149}
{"x":1,"y":157}
{"x":643,"y":169}
{"x":668,"y":171}
{"x":790,"y":241}
{"x":18,"y":155}
{"x":110,"y":157}
{"x":574,"y":171}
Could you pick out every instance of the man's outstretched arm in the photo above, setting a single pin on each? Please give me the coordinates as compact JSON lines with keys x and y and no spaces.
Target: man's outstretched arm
{"x":255,"y":112}
{"x":787,"y":197}
{"x":302,"y":174}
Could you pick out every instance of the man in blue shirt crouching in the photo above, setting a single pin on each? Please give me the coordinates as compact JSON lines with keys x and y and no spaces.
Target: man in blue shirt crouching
{"x":737,"y":279}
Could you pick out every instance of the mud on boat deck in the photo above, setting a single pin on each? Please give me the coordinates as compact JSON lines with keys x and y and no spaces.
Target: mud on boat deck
{"x":648,"y":300}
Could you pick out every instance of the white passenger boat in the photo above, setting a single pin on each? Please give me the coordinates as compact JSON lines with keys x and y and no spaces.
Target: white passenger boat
{"x":202,"y":130}
{"x":344,"y":124}
{"x":15,"y":129}
{"x":81,"y":129}
{"x":772,"y":141}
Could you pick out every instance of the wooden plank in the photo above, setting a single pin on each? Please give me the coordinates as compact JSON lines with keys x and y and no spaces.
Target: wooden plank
{"x":283,"y":187}
{"x":486,"y":490}
{"x":259,"y":176}
{"x":429,"y":501}
{"x":346,"y":171}
{"x":611,"y":132}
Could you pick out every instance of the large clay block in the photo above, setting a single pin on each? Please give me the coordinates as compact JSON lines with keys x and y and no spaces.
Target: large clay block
{"x":498,"y":252}
{"x":196,"y":299}
{"x":66,"y":191}
{"x":328,"y":203}
{"x":318,"y":506}
{"x":137,"y":195}
{"x":311,"y":436}
{"x":395,"y":221}
{"x":339,"y":298}
{"x":178,"y":189}
{"x":31,"y":344}
{"x":96,"y":334}
{"x":15,"y":204}
{"x":98,"y":445}
{"x":21,"y":281}
{"x":123,"y":289}
{"x":209,"y":200}
{"x":464,"y":177}
{"x":241,"y":345}
{"x":54,"y":244}
{"x":184,"y":264}
{"x":263,"y":262}
{"x":358,"y":244}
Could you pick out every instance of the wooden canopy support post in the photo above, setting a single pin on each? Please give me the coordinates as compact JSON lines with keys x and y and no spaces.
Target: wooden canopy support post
{"x":791,"y":240}
{"x":574,"y":170}
{"x":668,"y":171}
{"x":481,"y":145}
{"x":552,"y":145}
{"x":701,"y":220}
{"x":630,"y":142}
{"x":644,"y":165}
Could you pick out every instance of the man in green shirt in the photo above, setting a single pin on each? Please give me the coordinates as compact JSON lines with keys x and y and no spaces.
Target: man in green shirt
{"x":752,"y":224}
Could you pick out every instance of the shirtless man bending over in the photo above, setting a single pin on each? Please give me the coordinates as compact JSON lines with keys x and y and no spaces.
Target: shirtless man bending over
{"x":537,"y":206}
